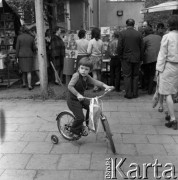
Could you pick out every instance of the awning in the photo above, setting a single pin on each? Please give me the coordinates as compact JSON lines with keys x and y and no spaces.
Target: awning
{"x":1,"y":5}
{"x":170,"y":5}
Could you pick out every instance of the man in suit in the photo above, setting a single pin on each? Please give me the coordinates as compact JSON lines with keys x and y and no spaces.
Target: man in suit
{"x":130,"y":51}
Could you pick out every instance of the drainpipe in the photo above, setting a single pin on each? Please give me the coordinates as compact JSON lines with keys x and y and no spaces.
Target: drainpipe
{"x":98,"y":14}
{"x":68,"y":12}
{"x":83,"y":6}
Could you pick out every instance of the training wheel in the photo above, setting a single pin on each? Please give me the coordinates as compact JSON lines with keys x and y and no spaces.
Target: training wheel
{"x":54,"y":139}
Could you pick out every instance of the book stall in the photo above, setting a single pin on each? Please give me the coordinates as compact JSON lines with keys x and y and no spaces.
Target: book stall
{"x":9,"y":27}
{"x":71,"y":53}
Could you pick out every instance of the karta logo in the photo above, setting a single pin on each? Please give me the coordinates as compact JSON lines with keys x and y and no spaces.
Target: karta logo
{"x":136,"y":171}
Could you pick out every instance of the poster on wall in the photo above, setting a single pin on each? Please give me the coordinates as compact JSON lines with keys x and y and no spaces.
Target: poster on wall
{"x":105,"y":30}
{"x":105,"y":37}
{"x":70,"y":44}
{"x":88,"y":35}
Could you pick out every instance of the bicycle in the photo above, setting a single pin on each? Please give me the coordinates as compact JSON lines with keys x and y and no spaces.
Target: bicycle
{"x":65,"y":120}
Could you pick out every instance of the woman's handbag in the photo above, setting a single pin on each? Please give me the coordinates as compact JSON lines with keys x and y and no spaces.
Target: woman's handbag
{"x":95,"y":113}
{"x":156,"y":96}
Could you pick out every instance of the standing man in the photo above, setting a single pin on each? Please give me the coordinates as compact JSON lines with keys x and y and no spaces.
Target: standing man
{"x":130,"y":45}
{"x":57,"y":52}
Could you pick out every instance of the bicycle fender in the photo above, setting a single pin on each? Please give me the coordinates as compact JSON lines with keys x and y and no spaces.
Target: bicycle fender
{"x":63,"y":112}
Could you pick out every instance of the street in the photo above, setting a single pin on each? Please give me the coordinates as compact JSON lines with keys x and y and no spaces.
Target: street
{"x":27,"y":153}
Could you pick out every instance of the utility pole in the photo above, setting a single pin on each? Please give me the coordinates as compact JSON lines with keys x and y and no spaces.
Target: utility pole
{"x":41,"y":48}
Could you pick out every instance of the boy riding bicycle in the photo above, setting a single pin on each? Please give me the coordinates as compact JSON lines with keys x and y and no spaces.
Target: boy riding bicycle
{"x":77,"y":86}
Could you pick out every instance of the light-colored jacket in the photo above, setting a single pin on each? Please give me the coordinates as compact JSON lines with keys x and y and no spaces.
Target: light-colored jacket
{"x":168,"y":50}
{"x":82,"y":45}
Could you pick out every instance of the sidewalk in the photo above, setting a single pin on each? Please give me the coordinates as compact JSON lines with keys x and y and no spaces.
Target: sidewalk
{"x":139,"y":135}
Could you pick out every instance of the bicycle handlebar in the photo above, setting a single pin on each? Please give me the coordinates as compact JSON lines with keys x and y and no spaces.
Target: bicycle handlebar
{"x":101,"y":95}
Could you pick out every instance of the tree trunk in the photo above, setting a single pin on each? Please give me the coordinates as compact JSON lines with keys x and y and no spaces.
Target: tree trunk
{"x":41,"y":48}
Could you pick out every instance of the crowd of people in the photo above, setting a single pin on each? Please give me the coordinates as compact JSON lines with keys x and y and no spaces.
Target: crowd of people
{"x":140,"y":55}
{"x":26,"y":54}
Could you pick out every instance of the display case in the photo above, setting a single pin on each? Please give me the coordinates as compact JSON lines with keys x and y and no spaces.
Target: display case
{"x":7,"y":32}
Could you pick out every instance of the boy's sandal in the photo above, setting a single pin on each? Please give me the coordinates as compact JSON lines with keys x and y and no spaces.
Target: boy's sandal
{"x":160,"y":109}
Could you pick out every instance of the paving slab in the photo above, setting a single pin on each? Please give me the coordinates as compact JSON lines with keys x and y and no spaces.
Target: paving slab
{"x":134,"y":138}
{"x":87,"y":175}
{"x":65,"y":148}
{"x":175,"y":138}
{"x":18,"y":175}
{"x":14,"y":161}
{"x":34,"y":136}
{"x":171,"y":149}
{"x":52,"y":175}
{"x":39,"y":161}
{"x":144,"y":129}
{"x":93,"y":148}
{"x":125,"y":149}
{"x":12,"y":147}
{"x":151,"y":149}
{"x":160,"y":139}
{"x":74,"y":161}
{"x":38,"y":148}
{"x":13,"y":136}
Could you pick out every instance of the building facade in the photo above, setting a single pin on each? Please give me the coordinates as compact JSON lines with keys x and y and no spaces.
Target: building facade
{"x":116,"y":12}
{"x":78,"y":14}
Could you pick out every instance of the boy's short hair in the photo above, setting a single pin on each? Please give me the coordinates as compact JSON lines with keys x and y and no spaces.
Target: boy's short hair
{"x":85,"y":61}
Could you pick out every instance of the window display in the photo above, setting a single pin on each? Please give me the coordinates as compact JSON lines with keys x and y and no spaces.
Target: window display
{"x":7,"y":32}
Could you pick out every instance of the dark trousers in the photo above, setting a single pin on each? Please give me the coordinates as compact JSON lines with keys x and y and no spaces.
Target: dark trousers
{"x":149,"y":73}
{"x":115,"y":72}
{"x":131,"y":77}
{"x":77,"y":108}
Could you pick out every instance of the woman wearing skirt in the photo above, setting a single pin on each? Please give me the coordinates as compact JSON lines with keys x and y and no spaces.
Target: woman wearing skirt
{"x":167,"y":67}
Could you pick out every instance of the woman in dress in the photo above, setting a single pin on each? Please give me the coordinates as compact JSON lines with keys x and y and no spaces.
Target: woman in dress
{"x":35,"y":66}
{"x":95,"y":50}
{"x":167,"y":67}
{"x":25,"y":52}
{"x":82,"y":45}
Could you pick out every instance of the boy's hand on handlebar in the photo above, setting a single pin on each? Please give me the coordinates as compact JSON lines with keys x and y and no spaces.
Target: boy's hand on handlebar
{"x":109,"y":88}
{"x":157,"y":73}
{"x":80,"y":97}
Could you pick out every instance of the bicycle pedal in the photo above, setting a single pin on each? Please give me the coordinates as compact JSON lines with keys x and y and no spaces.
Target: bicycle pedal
{"x":76,"y":137}
{"x":85,"y":134}
{"x":85,"y":131}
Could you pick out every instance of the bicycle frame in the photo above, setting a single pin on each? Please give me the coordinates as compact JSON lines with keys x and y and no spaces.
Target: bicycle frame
{"x":101,"y":114}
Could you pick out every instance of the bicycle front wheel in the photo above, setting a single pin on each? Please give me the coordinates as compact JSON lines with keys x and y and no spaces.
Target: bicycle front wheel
{"x":108,"y":134}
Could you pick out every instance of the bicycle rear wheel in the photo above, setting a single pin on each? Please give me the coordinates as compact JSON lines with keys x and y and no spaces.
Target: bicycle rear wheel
{"x":108,"y":133}
{"x":64,"y":122}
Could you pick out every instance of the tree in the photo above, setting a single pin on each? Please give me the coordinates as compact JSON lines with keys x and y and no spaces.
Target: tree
{"x":156,"y":17}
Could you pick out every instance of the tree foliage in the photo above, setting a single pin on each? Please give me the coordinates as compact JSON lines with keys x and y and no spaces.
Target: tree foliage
{"x":155,"y":18}
{"x":26,"y":10}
